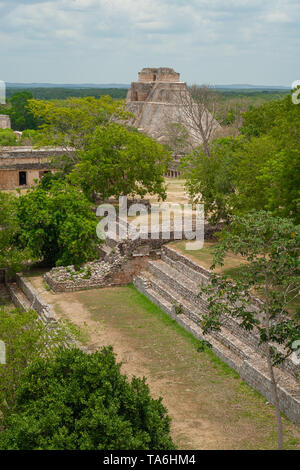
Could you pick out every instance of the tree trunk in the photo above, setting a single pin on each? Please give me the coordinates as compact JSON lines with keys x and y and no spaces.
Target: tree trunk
{"x":276,"y":399}
{"x":206,"y":147}
{"x":271,"y":370}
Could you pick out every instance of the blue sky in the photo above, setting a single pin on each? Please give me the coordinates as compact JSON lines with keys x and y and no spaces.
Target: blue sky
{"x":109,"y":41}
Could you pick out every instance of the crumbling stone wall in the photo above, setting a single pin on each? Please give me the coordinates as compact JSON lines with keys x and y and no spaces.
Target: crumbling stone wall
{"x":37,"y":303}
{"x":4,"y":121}
{"x":27,"y":159}
{"x":161,"y":74}
{"x":156,"y":101}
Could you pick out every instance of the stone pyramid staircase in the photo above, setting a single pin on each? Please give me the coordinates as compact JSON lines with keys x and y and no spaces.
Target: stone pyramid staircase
{"x":173,"y":283}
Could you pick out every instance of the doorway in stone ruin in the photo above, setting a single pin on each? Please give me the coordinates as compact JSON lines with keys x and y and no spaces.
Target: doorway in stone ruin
{"x":22,"y":178}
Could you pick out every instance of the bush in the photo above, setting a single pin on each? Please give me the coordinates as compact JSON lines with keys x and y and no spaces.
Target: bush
{"x":80,"y":401}
{"x":7,"y":138}
{"x":26,"y":338}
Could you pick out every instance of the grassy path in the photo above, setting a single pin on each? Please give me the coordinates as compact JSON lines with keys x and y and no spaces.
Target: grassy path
{"x":211,"y":407}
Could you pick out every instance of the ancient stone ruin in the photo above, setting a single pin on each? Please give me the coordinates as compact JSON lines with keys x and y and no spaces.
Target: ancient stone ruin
{"x":156,"y":100}
{"x":21,"y":166}
{"x":172,"y":281}
{"x":4,"y":121}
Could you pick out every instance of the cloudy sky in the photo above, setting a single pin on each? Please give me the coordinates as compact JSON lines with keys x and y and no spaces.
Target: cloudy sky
{"x":109,"y":41}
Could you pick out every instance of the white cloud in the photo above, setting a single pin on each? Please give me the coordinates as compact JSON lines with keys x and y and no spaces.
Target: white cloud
{"x":278,"y":17}
{"x":194,"y":34}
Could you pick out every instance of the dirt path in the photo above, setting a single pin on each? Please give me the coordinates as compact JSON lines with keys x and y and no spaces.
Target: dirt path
{"x":135,"y":362}
{"x":210,"y":407}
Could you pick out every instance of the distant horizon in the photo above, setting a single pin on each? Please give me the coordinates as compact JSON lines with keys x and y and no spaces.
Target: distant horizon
{"x":127,"y":85}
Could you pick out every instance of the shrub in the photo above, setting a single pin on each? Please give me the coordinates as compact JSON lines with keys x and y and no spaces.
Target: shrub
{"x":7,"y":138}
{"x":82,"y":401}
{"x":26,"y":339}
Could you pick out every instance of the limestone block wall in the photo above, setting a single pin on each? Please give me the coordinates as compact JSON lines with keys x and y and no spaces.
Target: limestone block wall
{"x":32,"y":161}
{"x":169,"y":287}
{"x":201,"y":276}
{"x":9,"y":179}
{"x":42,"y":308}
{"x":139,"y":91}
{"x":59,"y":281}
{"x":163,"y":74}
{"x":4,"y":121}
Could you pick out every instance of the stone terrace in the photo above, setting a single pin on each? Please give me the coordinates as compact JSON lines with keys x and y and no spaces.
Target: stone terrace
{"x":172,"y":283}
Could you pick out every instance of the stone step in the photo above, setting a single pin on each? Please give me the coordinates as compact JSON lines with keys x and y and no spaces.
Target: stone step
{"x":179,"y":259}
{"x":160,"y":301}
{"x":238,"y":344}
{"x":199,"y":278}
{"x":179,"y":282}
{"x":197,"y":274}
{"x":189,"y":289}
{"x":231,"y":350}
{"x":172,"y":295}
{"x":233,"y":355}
{"x":173,"y":298}
{"x":18,"y":297}
{"x":169,"y":273}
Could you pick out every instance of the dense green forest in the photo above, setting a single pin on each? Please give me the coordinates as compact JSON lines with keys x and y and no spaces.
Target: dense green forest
{"x":254,"y":96}
{"x":63,"y":93}
{"x":44,"y":93}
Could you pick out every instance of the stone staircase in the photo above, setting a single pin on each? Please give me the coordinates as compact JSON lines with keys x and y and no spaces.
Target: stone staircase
{"x":25,"y":297}
{"x":18,"y":297}
{"x":173,"y":283}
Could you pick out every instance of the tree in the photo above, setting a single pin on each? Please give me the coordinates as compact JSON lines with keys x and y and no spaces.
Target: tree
{"x":80,"y":401}
{"x":259,"y":170}
{"x":70,"y":123}
{"x":121,"y":161}
{"x":200,"y":107}
{"x":26,"y":339}
{"x":21,"y":116}
{"x":176,"y":138}
{"x":279,"y":122}
{"x":270,"y":247}
{"x":260,"y":119}
{"x":212,"y":179}
{"x":252,"y":157}
{"x":12,"y":256}
{"x":57,"y":224}
{"x":30,"y":137}
{"x":230,"y":116}
{"x":101,"y":153}
{"x":7,"y":138}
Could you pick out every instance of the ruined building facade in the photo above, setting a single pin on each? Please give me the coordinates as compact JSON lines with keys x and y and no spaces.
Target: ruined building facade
{"x":4,"y":121}
{"x":156,"y":101}
{"x":153,"y":85}
{"x":21,"y":167}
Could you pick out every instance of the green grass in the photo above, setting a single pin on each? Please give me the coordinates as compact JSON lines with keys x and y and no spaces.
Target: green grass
{"x":144,"y":303}
{"x":171,"y":354}
{"x":78,"y":333}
